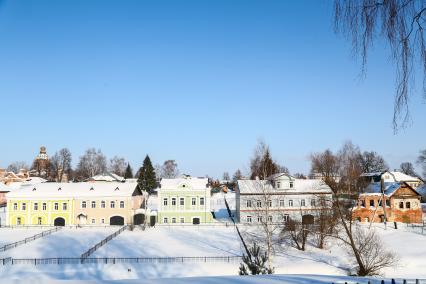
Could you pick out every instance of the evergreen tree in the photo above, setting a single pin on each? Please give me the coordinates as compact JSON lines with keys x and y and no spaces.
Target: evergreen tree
{"x":147,"y":180}
{"x":256,"y":263}
{"x":129,"y":172}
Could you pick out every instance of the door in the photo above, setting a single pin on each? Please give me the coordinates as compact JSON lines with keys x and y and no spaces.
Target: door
{"x":59,"y":221}
{"x":116,"y":221}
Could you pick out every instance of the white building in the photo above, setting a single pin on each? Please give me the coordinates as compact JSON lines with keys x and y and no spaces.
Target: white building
{"x":395,"y":176}
{"x":279,"y":198}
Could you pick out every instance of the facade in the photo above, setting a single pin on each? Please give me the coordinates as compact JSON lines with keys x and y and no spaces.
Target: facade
{"x":402,"y":204}
{"x":184,"y":200}
{"x":62,"y":204}
{"x":280,"y":198}
{"x":218,"y":206}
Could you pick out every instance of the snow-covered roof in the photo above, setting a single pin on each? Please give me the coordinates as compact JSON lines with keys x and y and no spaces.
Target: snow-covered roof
{"x":278,"y":175}
{"x":191,"y":182}
{"x":390,"y":188}
{"x":35,"y":180}
{"x":421,"y":190}
{"x":75,"y":190}
{"x":4,"y":188}
{"x":110,"y":177}
{"x":299,"y":186}
{"x":395,"y":176}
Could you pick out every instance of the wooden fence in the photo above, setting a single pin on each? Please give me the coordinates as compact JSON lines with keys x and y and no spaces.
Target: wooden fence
{"x":29,"y":239}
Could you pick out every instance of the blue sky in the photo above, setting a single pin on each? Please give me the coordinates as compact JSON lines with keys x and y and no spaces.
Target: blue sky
{"x":195,"y":81}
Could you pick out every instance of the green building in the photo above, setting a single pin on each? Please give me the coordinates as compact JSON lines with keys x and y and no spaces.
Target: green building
{"x":184,"y":200}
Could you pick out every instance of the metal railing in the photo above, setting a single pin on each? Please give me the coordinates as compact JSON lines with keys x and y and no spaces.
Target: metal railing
{"x":29,"y":239}
{"x":85,"y":255}
{"x":116,"y":260}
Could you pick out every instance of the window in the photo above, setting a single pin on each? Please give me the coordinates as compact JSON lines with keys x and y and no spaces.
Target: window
{"x":18,"y":221}
{"x":64,"y":206}
{"x":194,"y":201}
{"x":165,"y":201}
{"x":36,"y":207}
{"x":363,"y":203}
{"x":302,"y":203}
{"x":165,"y":220}
{"x":387,"y":203}
{"x":56,"y":206}
{"x":24,"y":206}
{"x":380,"y":203}
{"x":93,"y":221}
{"x":15,"y":206}
{"x":270,"y":203}
{"x":401,"y":205}
{"x":282,"y":204}
{"x":182,"y":201}
{"x":121,"y":204}
{"x":202,"y":201}
{"x":372,"y":203}
{"x":278,"y":184}
{"x":259,"y":219}
{"x":112,"y":204}
{"x":103,"y":220}
{"x":44,"y":206}
{"x":291,"y":184}
{"x":83,"y":204}
{"x":259,"y":203}
{"x":102,"y":204}
{"x":249,"y":219}
{"x":173,"y":220}
{"x":39,"y":221}
{"x":312,"y":202}
{"x":182,"y":220}
{"x":93,"y":204}
{"x":286,"y":218}
{"x":248,"y":203}
{"x":173,"y":201}
{"x":408,"y":205}
{"x":290,"y":203}
{"x":270,"y":219}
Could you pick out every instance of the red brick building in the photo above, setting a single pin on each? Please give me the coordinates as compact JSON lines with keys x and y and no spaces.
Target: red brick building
{"x":401,"y":200}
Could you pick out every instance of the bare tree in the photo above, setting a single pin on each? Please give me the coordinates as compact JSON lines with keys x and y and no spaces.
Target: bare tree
{"x":300,"y":176}
{"x":117,"y":165}
{"x":401,"y":24}
{"x":237,"y":175}
{"x":408,"y":169}
{"x":92,"y":163}
{"x":325,"y":221}
{"x":374,"y":254}
{"x":421,"y":161}
{"x":226,"y":176}
{"x":169,"y":169}
{"x":60,"y":164}
{"x":16,"y":166}
{"x":296,"y":232}
{"x":345,"y":163}
{"x":372,"y":162}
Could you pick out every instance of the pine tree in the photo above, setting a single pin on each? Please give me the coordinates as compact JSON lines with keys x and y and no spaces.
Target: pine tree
{"x":129,"y":172}
{"x":256,"y":263}
{"x":147,"y":180}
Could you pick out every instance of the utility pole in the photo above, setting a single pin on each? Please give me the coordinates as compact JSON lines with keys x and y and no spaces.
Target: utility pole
{"x":382,"y":187}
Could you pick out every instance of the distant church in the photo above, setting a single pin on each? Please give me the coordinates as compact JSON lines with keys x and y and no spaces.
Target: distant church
{"x":41,"y":165}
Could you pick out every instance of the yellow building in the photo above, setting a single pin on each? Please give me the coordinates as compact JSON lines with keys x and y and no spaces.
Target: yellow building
{"x":61,"y":204}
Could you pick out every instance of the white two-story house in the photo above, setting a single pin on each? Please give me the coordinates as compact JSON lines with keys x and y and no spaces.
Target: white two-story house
{"x":280,"y":198}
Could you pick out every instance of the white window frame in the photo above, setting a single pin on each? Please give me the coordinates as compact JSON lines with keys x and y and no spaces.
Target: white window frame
{"x":36,"y":206}
{"x":103,"y":204}
{"x":248,"y":203}
{"x":64,"y":206}
{"x":249,"y":219}
{"x":290,"y":203}
{"x":93,"y":204}
{"x":201,"y":201}
{"x":56,"y":206}
{"x":282,"y":203}
{"x":83,"y":204}
{"x":165,"y":201}
{"x":193,"y":200}
{"x":174,"y":201}
{"x":112,"y":204}
{"x":122,"y":205}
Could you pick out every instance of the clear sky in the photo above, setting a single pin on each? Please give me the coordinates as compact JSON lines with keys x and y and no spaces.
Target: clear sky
{"x":195,"y":81}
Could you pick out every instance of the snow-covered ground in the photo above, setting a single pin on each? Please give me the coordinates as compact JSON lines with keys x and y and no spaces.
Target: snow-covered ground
{"x":174,"y":241}
{"x":68,"y":242}
{"x":11,"y":235}
{"x":201,"y":241}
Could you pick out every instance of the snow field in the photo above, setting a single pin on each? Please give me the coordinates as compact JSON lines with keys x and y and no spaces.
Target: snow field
{"x":68,"y":242}
{"x":174,"y":242}
{"x":11,"y":235}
